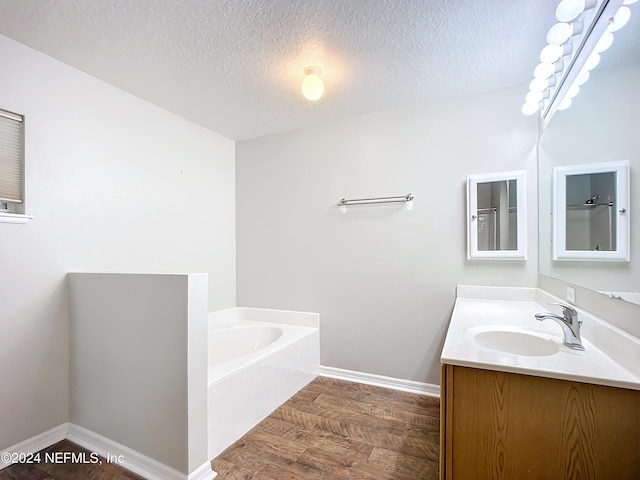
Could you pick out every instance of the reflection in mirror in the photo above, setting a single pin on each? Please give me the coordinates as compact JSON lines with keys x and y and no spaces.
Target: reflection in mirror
{"x":496,"y":216}
{"x":599,"y":126}
{"x":590,"y":211}
{"x":590,"y":223}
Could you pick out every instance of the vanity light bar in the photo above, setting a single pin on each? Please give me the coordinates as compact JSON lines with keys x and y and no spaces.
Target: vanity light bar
{"x":585,"y":29}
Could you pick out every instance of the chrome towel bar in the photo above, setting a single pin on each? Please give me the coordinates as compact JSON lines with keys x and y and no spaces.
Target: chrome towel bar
{"x":363,"y":201}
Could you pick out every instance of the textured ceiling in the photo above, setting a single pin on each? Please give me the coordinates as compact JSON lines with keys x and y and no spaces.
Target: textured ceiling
{"x":235,"y":66}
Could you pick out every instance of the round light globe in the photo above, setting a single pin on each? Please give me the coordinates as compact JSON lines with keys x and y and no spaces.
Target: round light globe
{"x":582,"y":77}
{"x":529,"y":108}
{"x":544,"y":70}
{"x":534,"y":97}
{"x":604,"y":43}
{"x":551,"y":53}
{"x":620,"y":19}
{"x":567,"y":10}
{"x":573,"y":91}
{"x":565,"y":103}
{"x":538,"y":84}
{"x":559,"y":33}
{"x":312,"y":85}
{"x":592,"y":61}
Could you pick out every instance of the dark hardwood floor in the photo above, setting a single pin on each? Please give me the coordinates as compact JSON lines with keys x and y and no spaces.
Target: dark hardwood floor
{"x":336,"y":430}
{"x":330,"y":430}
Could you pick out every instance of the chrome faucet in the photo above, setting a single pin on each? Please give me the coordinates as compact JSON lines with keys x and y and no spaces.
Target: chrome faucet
{"x":569,"y":323}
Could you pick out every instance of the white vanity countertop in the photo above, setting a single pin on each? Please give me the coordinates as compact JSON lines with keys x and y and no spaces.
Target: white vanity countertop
{"x":610,"y":359}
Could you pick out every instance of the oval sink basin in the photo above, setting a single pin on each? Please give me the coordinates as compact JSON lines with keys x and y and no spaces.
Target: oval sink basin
{"x":517,"y":342}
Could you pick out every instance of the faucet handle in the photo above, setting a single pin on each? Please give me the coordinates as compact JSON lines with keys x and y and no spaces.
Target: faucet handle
{"x":568,"y":311}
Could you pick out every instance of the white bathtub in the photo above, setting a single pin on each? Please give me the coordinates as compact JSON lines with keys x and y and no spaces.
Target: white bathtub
{"x":258,"y":359}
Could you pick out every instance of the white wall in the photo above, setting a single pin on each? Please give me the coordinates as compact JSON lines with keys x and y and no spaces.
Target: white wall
{"x":382,"y":278}
{"x":138,"y":347}
{"x":114,"y":184}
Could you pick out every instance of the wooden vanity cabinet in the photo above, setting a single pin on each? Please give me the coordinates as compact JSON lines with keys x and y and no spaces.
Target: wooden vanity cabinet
{"x":497,"y":425}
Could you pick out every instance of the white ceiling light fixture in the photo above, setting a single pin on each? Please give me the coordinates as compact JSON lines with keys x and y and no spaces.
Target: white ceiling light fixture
{"x":574,"y":45}
{"x":312,"y":85}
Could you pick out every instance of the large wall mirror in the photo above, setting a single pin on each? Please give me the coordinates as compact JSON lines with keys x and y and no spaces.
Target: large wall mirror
{"x":600,"y":127}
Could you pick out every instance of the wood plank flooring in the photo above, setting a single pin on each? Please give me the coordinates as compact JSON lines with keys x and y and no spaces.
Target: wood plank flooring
{"x":58,"y":469}
{"x":330,"y":430}
{"x":337,"y":430}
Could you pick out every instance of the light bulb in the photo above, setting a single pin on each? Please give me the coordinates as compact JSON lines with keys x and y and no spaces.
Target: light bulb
{"x":592,"y":62}
{"x":534,"y":97}
{"x":312,"y":85}
{"x":551,"y":53}
{"x":544,"y":70}
{"x":540,"y":84}
{"x":564,"y":104}
{"x":582,"y":77}
{"x":530,"y":108}
{"x":559,"y":33}
{"x":567,"y":10}
{"x":573,"y":91}
{"x":620,"y":19}
{"x":605,"y":42}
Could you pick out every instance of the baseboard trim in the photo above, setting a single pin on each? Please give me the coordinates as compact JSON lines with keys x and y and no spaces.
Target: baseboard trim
{"x":203,"y":472}
{"x":132,"y":460}
{"x":125,"y":457}
{"x":381,"y":381}
{"x":35,"y":443}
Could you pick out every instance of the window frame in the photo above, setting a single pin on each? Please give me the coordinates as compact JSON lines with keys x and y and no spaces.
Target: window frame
{"x":14,"y":212}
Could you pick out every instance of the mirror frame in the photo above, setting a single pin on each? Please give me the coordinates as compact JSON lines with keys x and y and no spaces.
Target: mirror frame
{"x":622,"y":202}
{"x":472,"y":214}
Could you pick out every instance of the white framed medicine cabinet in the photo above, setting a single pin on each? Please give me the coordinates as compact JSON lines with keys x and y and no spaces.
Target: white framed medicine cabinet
{"x":497,"y":216}
{"x":591,"y":212}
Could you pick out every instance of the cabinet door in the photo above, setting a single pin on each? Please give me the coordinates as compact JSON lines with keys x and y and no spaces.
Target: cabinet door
{"x":508,"y":426}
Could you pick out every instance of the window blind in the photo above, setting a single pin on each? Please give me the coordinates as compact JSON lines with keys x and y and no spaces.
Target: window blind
{"x":11,"y":164}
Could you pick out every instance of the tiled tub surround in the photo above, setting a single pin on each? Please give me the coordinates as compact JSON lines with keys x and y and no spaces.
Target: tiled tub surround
{"x":258,"y":359}
{"x":611,"y":356}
